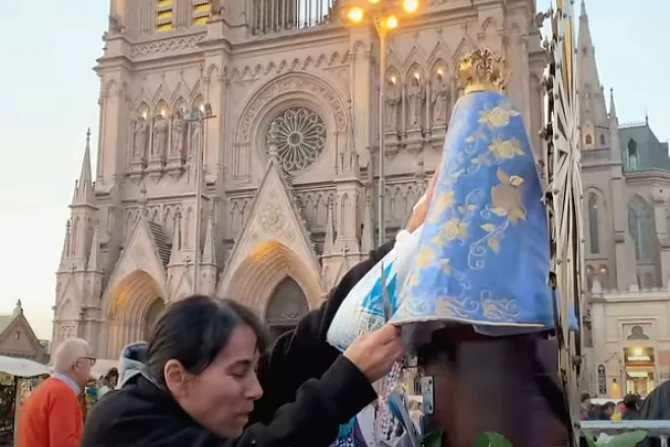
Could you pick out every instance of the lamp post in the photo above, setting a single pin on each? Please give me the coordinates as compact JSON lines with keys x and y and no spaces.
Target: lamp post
{"x":192,"y":116}
{"x":383,"y":14}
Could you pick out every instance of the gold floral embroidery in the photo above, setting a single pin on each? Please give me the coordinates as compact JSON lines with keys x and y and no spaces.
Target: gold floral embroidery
{"x":445,"y":266}
{"x":425,"y":257}
{"x":497,"y":116}
{"x":506,"y":197}
{"x":454,"y":228}
{"x":506,"y":148}
{"x":442,"y":203}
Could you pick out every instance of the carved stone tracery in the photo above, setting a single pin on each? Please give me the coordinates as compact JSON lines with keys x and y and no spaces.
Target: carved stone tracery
{"x":272,"y":219}
{"x":299,"y":136}
{"x":285,"y":84}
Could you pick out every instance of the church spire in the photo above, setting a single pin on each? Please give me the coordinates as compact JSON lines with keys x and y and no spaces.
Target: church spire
{"x":83,"y":190}
{"x":66,"y":246}
{"x":615,"y":142}
{"x":613,"y":114}
{"x":592,"y":101}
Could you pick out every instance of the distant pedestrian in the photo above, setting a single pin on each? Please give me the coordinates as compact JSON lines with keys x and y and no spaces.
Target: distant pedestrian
{"x":52,"y":415}
{"x":632,"y":404}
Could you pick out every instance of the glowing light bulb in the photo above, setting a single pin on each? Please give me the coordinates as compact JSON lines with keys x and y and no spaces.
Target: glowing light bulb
{"x":410,"y":6}
{"x":144,"y":114}
{"x":374,"y":1}
{"x":638,"y":352}
{"x":356,"y":14}
{"x":417,"y":75}
{"x":393,"y":79}
{"x":391,"y":22}
{"x":440,"y":71}
{"x":202,"y":108}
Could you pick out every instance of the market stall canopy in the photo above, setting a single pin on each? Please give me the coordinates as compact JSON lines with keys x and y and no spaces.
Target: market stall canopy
{"x":22,"y":367}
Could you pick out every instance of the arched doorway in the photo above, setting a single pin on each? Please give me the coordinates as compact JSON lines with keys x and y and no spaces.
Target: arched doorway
{"x":286,"y":306}
{"x":132,"y":308}
{"x":151,"y":317}
{"x":261,"y":272}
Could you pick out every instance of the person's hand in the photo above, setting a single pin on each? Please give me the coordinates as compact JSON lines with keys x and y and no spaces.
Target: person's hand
{"x":375,"y":353}
{"x":421,"y":208}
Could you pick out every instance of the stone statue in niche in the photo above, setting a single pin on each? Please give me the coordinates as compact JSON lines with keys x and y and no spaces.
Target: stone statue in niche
{"x":440,"y":99}
{"x":160,"y":136}
{"x":215,"y":8}
{"x":195,"y":138}
{"x":393,"y":99}
{"x":141,"y":137}
{"x":416,"y":99}
{"x":178,"y":134}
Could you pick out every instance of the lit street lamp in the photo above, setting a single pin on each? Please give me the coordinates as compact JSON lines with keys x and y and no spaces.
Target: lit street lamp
{"x":384,"y":15}
{"x":192,"y":116}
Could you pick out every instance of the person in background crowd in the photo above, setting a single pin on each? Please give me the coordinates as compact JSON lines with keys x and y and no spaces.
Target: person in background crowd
{"x":105,"y":386}
{"x":586,"y":408}
{"x":113,"y":377}
{"x":52,"y":415}
{"x":606,"y":411}
{"x":619,"y":411}
{"x":632,"y":404}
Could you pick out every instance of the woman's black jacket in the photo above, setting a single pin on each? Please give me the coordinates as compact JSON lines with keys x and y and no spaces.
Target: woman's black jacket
{"x":309,"y":390}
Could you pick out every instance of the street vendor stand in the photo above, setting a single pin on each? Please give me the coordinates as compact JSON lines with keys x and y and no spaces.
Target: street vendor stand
{"x":18,"y":377}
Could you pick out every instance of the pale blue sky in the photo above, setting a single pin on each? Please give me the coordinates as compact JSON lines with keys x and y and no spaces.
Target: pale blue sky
{"x":49,"y":97}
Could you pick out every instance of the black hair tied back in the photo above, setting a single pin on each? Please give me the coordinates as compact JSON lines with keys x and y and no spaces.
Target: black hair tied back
{"x":195,"y":330}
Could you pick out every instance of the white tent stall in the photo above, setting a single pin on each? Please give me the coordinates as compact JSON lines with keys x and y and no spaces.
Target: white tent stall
{"x":18,"y":377}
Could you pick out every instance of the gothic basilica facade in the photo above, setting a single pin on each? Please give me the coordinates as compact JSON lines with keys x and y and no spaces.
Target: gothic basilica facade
{"x":290,"y":154}
{"x":626,"y":176}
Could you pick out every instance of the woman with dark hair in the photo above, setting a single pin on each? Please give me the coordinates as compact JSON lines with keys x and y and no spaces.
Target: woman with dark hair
{"x":203,"y":379}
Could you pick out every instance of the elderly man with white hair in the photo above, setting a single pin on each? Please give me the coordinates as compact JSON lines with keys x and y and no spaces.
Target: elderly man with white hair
{"x":52,"y":415}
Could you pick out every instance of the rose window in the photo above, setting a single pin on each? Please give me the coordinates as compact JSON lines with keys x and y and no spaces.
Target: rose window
{"x":300,"y":136}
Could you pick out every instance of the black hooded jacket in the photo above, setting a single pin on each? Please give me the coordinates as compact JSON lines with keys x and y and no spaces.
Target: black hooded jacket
{"x":309,"y":390}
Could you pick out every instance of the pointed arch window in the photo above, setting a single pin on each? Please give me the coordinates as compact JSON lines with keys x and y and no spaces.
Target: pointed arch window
{"x":589,"y":140}
{"x":287,"y":305}
{"x":632,"y":155}
{"x":594,"y":238}
{"x":639,"y":225}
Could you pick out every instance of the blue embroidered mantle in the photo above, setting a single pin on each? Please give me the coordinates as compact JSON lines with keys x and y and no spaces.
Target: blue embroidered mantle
{"x":484,"y":251}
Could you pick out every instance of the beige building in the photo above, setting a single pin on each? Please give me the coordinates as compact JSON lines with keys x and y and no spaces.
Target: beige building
{"x":626,"y":173}
{"x":17,"y":338}
{"x":290,"y":158}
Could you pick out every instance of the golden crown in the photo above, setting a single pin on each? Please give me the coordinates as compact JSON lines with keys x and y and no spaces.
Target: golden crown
{"x":482,"y":70}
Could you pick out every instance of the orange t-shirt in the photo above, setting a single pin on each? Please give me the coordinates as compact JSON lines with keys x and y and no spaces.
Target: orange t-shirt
{"x":50,"y":417}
